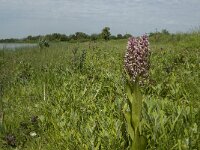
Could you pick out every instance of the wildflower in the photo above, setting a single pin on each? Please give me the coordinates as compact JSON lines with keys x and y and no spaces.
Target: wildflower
{"x":136,"y":65}
{"x":34,"y":119}
{"x":33,"y":134}
{"x":136,"y":60}
{"x":10,"y":140}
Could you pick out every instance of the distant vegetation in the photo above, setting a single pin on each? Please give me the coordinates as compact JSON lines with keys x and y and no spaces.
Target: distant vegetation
{"x":163,"y":35}
{"x":76,"y":37}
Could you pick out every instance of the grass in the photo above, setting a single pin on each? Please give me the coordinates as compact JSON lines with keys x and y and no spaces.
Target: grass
{"x":52,"y":98}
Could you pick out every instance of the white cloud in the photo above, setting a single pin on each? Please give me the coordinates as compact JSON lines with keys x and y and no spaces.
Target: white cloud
{"x":68,"y":16}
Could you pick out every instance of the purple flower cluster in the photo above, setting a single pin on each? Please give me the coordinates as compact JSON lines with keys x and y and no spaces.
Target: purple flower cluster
{"x":136,"y":61}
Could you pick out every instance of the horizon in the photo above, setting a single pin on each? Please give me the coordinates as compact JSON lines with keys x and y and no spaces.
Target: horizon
{"x":41,"y":35}
{"x":21,"y":18}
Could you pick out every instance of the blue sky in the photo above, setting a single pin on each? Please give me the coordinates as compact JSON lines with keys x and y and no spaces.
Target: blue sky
{"x":20,"y":18}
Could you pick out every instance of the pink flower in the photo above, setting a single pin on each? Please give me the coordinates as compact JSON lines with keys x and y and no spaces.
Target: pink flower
{"x":136,"y":60}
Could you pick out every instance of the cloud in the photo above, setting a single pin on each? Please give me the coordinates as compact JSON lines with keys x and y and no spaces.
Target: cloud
{"x":22,"y":17}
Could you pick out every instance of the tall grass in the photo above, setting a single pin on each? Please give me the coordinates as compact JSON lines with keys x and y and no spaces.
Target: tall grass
{"x":82,"y":108}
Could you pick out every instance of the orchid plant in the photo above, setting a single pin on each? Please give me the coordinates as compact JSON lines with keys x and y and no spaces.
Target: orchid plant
{"x":136,"y":65}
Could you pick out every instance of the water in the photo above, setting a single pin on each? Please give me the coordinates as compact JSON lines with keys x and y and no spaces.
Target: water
{"x":14,"y":46}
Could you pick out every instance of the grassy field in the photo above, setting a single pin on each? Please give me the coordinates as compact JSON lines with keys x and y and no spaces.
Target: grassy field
{"x":71,"y":96}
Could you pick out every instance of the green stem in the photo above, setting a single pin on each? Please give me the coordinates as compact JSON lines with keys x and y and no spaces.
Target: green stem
{"x":133,"y":117}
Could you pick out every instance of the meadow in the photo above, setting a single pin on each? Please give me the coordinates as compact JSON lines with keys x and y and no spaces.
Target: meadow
{"x":71,"y":96}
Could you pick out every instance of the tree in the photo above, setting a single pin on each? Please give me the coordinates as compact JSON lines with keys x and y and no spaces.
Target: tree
{"x":164,"y":31}
{"x":64,"y":37}
{"x":119,"y":36}
{"x":126,"y":36}
{"x":113,"y":37}
{"x":94,"y":37}
{"x":106,"y":33}
{"x":81,"y":36}
{"x":72,"y":37}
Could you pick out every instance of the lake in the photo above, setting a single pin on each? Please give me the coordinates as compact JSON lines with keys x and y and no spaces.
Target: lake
{"x":16,"y":45}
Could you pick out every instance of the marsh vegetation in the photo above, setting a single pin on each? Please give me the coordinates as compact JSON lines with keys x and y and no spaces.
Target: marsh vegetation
{"x":71,"y":95}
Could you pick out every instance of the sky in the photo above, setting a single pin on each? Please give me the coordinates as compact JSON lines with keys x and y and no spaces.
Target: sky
{"x":20,"y":18}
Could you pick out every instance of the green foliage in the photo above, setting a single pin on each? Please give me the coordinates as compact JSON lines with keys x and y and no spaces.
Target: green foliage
{"x":133,"y":116}
{"x":119,"y":36}
{"x":126,"y":36}
{"x":106,"y":33}
{"x":83,"y":109}
{"x":72,"y":38}
{"x":81,"y":35}
{"x":94,"y":37}
{"x":56,"y":37}
{"x":164,"y":31}
{"x":43,"y":43}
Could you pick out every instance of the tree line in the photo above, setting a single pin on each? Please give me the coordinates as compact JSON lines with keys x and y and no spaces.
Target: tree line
{"x":78,"y":36}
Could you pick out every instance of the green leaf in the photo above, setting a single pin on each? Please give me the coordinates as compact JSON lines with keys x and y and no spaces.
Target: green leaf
{"x":139,"y":143}
{"x":136,"y":105}
{"x":129,"y":126}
